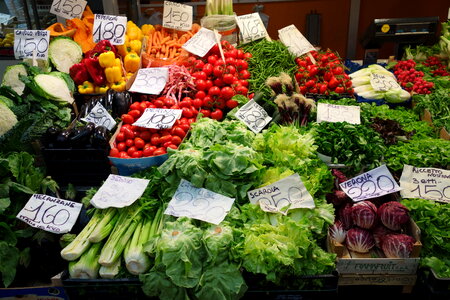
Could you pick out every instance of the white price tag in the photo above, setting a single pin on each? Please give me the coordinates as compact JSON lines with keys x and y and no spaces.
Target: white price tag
{"x":381,"y":82}
{"x":425,"y":183}
{"x":150,"y":81}
{"x":111,"y":28}
{"x":287,"y":193}
{"x":292,"y":38}
{"x":177,"y":16}
{"x":253,"y":115}
{"x":50,"y":213}
{"x":119,"y":191}
{"x":198,"y":203}
{"x":338,"y":113}
{"x":201,"y":42}
{"x":27,"y":42}
{"x":158,"y":118}
{"x":251,"y":27}
{"x":372,"y":184}
{"x":68,"y":9}
{"x":100,"y":117}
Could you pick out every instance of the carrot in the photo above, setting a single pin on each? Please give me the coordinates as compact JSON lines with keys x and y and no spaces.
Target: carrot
{"x":164,"y":40}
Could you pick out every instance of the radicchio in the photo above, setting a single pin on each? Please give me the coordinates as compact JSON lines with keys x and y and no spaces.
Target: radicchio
{"x":397,"y":245}
{"x":393,"y":215}
{"x":364,"y":214}
{"x":359,"y":240}
{"x":345,"y":215}
{"x":379,"y":232}
{"x":337,"y":232}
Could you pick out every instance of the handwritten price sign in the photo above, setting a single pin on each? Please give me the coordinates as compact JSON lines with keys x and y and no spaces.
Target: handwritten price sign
{"x":251,"y":27}
{"x":198,"y":203}
{"x":177,"y":16}
{"x":381,"y":82}
{"x":425,"y":183}
{"x":338,"y":113}
{"x":119,"y":191}
{"x":253,"y":115}
{"x":158,"y":118}
{"x":27,"y":42}
{"x":68,"y":9}
{"x":111,"y":28}
{"x":292,"y":38}
{"x":201,"y":42}
{"x":372,"y":184}
{"x":50,"y":214}
{"x":100,"y":117}
{"x":287,"y":193}
{"x":150,"y":81}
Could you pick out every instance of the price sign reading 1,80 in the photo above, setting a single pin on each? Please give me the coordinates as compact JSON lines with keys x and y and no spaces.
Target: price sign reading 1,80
{"x":68,"y":9}
{"x":27,"y":42}
{"x":110,"y":28}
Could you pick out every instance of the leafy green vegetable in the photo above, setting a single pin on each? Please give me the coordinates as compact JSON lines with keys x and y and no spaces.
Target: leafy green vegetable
{"x":11,"y":78}
{"x":63,"y":52}
{"x":438,"y":103}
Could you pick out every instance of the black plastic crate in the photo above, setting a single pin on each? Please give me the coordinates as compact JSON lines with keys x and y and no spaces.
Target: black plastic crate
{"x":81,"y":167}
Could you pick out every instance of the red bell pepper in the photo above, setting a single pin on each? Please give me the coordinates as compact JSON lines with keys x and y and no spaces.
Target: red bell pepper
{"x":100,"y":47}
{"x":95,"y":70}
{"x":79,"y":73}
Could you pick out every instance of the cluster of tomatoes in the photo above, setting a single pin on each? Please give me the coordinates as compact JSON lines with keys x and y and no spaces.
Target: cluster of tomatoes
{"x":217,"y":80}
{"x":327,"y":75}
{"x":436,"y":66}
{"x":410,"y":79}
{"x":136,"y":142}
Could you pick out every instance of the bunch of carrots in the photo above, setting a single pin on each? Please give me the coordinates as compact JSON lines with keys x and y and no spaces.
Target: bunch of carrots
{"x":164,"y":43}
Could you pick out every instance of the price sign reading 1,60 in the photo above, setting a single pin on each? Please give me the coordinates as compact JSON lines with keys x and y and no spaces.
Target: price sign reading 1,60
{"x":31,"y":42}
{"x":110,"y":28}
{"x":252,"y":27}
{"x":177,"y":16}
{"x":68,"y":9}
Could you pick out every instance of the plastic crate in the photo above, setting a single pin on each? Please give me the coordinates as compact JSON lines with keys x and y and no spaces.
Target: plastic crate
{"x":438,"y":287}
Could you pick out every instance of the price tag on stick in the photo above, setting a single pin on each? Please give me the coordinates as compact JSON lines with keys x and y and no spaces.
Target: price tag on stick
{"x":198,"y":203}
{"x":201,"y":42}
{"x":292,"y":38}
{"x":119,"y":191}
{"x":100,"y":117}
{"x":68,"y":9}
{"x":338,"y":113}
{"x":254,"y":116}
{"x":158,"y":118}
{"x":111,"y":28}
{"x":150,"y":81}
{"x":287,"y":193}
{"x":27,"y":41}
{"x":251,"y":27}
{"x":50,"y":213}
{"x":372,"y":184}
{"x":381,"y":82}
{"x":425,"y":183}
{"x":177,"y":16}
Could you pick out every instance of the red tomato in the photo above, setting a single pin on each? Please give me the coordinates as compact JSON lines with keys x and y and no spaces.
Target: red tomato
{"x":120,"y":137}
{"x":243,"y":82}
{"x":172,"y":146}
{"x":139,"y":143}
{"x":339,"y":90}
{"x":240,"y":54}
{"x":187,"y":112}
{"x":166,"y":144}
{"x":209,"y":84}
{"x":230,"y":69}
{"x":165,"y":138}
{"x":200,"y":84}
{"x":220,"y":63}
{"x":129,"y":134}
{"x":247,"y":55}
{"x":217,"y":114}
{"x":232,"y":53}
{"x":197,"y":103}
{"x":213,"y":58}
{"x":135,"y":113}
{"x":205,"y":112}
{"x":155,"y":139}
{"x":214,"y":91}
{"x":231,"y":104}
{"x":241,"y":64}
{"x":244,"y":74}
{"x":218,"y":82}
{"x":199,"y":75}
{"x":218,"y":71}
{"x":158,"y":103}
{"x":200,"y":94}
{"x":242,"y":90}
{"x":199,"y":64}
{"x":228,"y":78}
{"x":226,"y":93}
{"x":127,"y":119}
{"x":121,"y":146}
{"x":148,"y":151}
{"x":137,"y":154}
{"x":208,"y":69}
{"x":186,"y":102}
{"x":131,"y":150}
{"x":176,"y":140}
{"x":230,"y":60}
{"x":145,"y":135}
{"x":185,"y":126}
{"x":177,"y":131}
{"x":114,"y":152}
{"x":310,"y":83}
{"x":168,"y":101}
{"x":159,"y":151}
{"x":134,"y":105}
{"x":129,"y":142}
{"x":338,"y":71}
{"x":123,"y":154}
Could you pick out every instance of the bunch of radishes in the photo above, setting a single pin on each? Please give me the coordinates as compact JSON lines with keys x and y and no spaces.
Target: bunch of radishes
{"x":410,"y":79}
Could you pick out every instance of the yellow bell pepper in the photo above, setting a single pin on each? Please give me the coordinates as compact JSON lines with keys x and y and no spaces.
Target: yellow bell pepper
{"x":133,"y":32}
{"x":118,"y":63}
{"x":129,"y":75}
{"x":135,"y":46}
{"x":113,"y":74}
{"x":122,"y":49}
{"x":101,"y":89}
{"x":147,"y":29}
{"x":106,"y":59}
{"x":86,"y":88}
{"x":118,"y":86}
{"x":131,"y":62}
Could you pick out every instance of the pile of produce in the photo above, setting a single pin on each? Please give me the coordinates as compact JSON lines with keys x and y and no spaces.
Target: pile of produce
{"x":410,"y":79}
{"x":438,"y":104}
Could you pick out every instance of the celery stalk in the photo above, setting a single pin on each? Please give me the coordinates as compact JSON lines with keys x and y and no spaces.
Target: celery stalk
{"x":87,"y":266}
{"x":110,"y":272}
{"x":136,"y":261}
{"x":104,"y":227}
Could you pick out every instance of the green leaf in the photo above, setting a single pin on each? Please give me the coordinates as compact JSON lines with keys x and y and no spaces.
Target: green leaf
{"x":7,"y":235}
{"x":4,"y":204}
{"x":9,"y":258}
{"x":20,"y":188}
{"x":157,"y":284}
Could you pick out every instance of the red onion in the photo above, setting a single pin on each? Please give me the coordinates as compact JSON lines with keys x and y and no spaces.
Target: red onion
{"x":337,"y":232}
{"x":393,"y":215}
{"x":364,"y":214}
{"x":397,"y":245}
{"x":359,"y":240}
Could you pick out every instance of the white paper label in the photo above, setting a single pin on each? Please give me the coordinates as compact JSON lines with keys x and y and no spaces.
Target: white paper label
{"x":177,"y":16}
{"x":372,"y":184}
{"x":287,"y":193}
{"x":201,"y":42}
{"x":198,"y":203}
{"x":27,"y":42}
{"x":150,"y":81}
{"x":381,"y":82}
{"x":119,"y":191}
{"x":253,"y":115}
{"x":338,"y":113}
{"x":292,"y":38}
{"x":425,"y":183}
{"x":68,"y":9}
{"x":158,"y":118}
{"x":100,"y":117}
{"x":251,"y":27}
{"x":50,"y":213}
{"x":111,"y":28}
